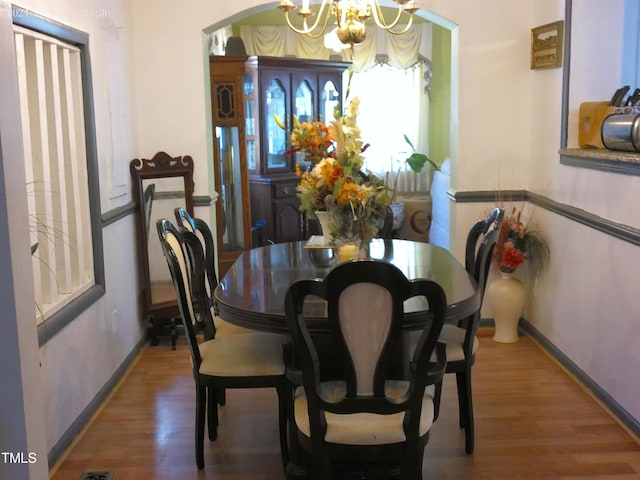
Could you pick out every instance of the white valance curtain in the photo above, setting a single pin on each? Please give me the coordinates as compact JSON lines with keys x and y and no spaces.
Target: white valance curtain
{"x":400,"y":51}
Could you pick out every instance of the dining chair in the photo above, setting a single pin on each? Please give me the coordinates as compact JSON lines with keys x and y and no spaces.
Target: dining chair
{"x":219,"y":326}
{"x":251,"y":360}
{"x":478,"y":230}
{"x":202,"y":230}
{"x":367,"y":418}
{"x":460,"y":340}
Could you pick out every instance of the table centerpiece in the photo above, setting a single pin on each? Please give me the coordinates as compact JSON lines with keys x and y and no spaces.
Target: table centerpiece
{"x":335,"y":182}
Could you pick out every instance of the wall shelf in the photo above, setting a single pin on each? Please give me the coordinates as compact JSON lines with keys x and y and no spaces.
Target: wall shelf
{"x":626,"y":163}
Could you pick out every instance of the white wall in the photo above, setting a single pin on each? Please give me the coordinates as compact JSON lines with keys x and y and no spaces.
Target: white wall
{"x":171,"y":85}
{"x":79,"y":360}
{"x":587,"y":303}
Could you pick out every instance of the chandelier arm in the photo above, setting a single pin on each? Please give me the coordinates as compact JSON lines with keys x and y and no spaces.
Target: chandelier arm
{"x":306,"y":30}
{"x":404,"y":30}
{"x":309,"y":31}
{"x":378,"y":17}
{"x":324,"y":27}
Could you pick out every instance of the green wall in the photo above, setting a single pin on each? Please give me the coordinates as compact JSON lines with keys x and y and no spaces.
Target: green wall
{"x":439,"y":109}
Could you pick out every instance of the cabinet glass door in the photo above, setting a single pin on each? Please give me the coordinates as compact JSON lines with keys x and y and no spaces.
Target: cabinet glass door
{"x":248,"y":90}
{"x":230,"y":184}
{"x":303,"y":103}
{"x":303,"y":110}
{"x":276,"y":137}
{"x":329,"y":100}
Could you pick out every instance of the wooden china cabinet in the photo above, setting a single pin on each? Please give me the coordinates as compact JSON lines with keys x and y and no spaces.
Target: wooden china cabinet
{"x":308,"y":89}
{"x":262,"y":173}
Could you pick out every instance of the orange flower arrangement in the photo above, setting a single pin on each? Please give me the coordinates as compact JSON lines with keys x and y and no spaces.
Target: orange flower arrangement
{"x":355,"y":201}
{"x":312,"y":138}
{"x":318,"y":183}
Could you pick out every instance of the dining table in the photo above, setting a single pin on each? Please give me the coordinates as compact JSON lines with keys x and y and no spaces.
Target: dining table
{"x":252,"y":295}
{"x":252,"y":292}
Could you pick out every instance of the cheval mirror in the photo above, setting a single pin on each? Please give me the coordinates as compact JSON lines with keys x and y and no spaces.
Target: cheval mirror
{"x":160,"y":185}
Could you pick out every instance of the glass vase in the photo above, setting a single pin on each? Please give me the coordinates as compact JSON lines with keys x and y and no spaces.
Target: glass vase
{"x":323,"y":219}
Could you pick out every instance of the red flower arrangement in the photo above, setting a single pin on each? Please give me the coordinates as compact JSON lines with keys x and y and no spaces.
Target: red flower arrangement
{"x":516,"y":243}
{"x":512,"y":258}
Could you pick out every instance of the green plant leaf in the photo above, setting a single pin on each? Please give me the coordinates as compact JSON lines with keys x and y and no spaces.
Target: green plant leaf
{"x":416,"y":161}
{"x":406,"y":139}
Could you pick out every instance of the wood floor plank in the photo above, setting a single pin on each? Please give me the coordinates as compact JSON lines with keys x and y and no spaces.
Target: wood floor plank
{"x":532,"y":422}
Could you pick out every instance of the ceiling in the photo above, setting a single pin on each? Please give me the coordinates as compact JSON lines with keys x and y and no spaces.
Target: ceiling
{"x":276,"y":17}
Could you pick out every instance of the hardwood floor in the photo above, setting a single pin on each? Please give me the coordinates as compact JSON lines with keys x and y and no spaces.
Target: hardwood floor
{"x":533,"y":421}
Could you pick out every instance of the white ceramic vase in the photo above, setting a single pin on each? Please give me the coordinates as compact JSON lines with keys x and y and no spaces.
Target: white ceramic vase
{"x":507,"y":296}
{"x":323,"y":218}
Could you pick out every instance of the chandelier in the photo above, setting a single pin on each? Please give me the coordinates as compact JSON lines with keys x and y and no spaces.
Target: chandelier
{"x":350,"y":17}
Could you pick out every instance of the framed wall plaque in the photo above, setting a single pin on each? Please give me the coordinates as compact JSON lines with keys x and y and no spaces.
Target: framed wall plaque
{"x":546,"y":45}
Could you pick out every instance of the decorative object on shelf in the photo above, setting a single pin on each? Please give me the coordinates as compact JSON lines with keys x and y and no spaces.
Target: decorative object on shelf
{"x":507,"y":296}
{"x":590,"y":118}
{"x":349,"y":18}
{"x":621,"y":132}
{"x":235,"y":46}
{"x":516,"y":243}
{"x":354,"y":200}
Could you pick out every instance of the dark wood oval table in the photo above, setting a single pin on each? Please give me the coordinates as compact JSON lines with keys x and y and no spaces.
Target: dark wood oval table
{"x":252,"y":292}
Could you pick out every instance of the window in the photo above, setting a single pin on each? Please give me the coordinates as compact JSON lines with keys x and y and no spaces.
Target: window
{"x":390,"y":93}
{"x":60,"y":164}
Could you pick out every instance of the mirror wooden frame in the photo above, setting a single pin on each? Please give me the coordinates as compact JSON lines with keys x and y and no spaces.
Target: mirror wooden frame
{"x":161,"y":166}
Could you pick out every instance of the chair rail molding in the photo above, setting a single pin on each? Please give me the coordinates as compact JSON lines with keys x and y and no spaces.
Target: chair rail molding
{"x":129,"y":208}
{"x":620,"y":231}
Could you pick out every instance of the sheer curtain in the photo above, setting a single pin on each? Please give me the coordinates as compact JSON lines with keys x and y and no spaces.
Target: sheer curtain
{"x":392,"y":103}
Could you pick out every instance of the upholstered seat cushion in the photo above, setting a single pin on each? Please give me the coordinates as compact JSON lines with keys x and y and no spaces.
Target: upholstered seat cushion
{"x":225,"y":328}
{"x":363,"y":428}
{"x":453,"y":337}
{"x":250,"y":354}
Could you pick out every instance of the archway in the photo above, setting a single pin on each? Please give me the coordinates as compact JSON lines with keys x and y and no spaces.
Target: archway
{"x":444,"y":100}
